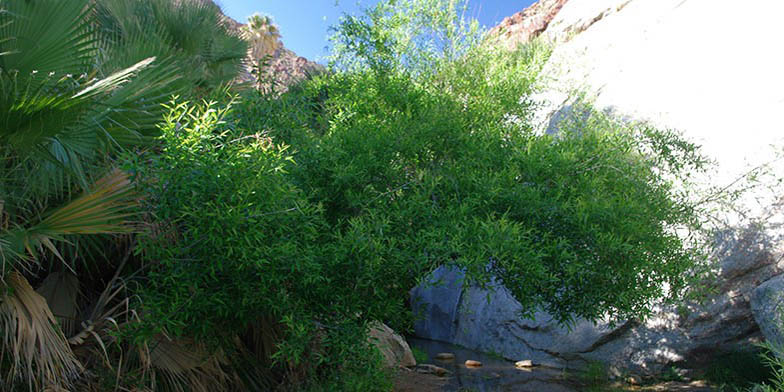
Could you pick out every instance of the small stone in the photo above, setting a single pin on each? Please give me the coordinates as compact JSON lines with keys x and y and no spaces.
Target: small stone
{"x":526,"y":363}
{"x":633,"y":380}
{"x":431,"y":369}
{"x":473,"y":364}
{"x":445,"y":356}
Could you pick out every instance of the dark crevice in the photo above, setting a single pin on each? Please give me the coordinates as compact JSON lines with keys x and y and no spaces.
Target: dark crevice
{"x":615,"y":334}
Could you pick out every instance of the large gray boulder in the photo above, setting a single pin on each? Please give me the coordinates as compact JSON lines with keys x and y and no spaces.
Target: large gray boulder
{"x":489,"y":320}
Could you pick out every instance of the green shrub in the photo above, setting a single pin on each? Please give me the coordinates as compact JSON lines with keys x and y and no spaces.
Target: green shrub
{"x":234,"y":240}
{"x":582,"y":223}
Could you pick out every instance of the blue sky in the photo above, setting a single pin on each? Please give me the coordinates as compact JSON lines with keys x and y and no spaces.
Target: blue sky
{"x":304,"y":24}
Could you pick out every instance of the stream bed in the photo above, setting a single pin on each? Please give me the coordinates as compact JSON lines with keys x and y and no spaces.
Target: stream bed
{"x":496,"y":374}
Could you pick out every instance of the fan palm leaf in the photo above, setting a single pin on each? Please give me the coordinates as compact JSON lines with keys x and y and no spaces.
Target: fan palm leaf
{"x":62,"y":106}
{"x":102,"y":210}
{"x":182,"y":365}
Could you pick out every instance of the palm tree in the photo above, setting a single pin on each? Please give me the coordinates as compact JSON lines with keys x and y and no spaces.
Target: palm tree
{"x":263,"y":37}
{"x":81,"y":80}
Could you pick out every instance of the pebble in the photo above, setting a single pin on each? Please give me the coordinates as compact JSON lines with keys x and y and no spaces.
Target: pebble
{"x":473,"y":364}
{"x":445,"y":356}
{"x":526,"y":363}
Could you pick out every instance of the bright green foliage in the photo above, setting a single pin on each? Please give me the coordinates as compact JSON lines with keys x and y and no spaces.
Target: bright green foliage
{"x":236,"y":240}
{"x":245,"y":235}
{"x":582,"y":224}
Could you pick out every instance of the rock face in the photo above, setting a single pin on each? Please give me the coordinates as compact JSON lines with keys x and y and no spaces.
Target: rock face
{"x":702,"y":67}
{"x":287,"y":68}
{"x":393,"y":347}
{"x":528,"y":24}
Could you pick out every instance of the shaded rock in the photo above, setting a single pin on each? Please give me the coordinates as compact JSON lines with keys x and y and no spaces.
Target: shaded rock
{"x":489,"y":321}
{"x":392,"y":346}
{"x":437,"y":303}
{"x":431,"y":369}
{"x":467,"y":318}
{"x":767,"y":305}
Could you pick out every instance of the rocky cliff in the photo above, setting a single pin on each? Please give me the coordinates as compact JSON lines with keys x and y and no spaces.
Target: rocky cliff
{"x":707,"y":68}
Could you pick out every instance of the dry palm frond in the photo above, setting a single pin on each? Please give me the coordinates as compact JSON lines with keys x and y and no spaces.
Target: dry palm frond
{"x":38,"y":351}
{"x":103,"y":210}
{"x":100,"y":211}
{"x":186,"y":366}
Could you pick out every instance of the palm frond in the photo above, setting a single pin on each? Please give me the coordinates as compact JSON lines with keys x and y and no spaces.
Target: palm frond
{"x":36,"y":347}
{"x":46,"y":36}
{"x":102,"y":210}
{"x":186,"y":366}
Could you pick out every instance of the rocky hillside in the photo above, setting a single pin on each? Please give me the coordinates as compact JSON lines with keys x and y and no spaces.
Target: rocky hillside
{"x":705,"y":68}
